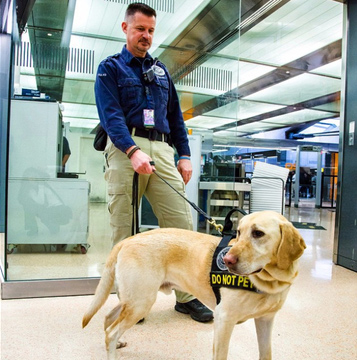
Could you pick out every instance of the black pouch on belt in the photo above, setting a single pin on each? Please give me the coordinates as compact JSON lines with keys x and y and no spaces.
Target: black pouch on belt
{"x":100,"y":140}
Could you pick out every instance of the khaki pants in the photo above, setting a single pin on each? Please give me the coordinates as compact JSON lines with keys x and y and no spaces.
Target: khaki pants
{"x":170,"y":208}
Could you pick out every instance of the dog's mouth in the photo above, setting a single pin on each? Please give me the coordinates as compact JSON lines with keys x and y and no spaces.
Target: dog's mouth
{"x":241,"y":273}
{"x":256,"y":272}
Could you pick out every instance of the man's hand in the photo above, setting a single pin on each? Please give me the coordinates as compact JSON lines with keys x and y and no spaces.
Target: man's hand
{"x":184,"y":167}
{"x":140,"y":162}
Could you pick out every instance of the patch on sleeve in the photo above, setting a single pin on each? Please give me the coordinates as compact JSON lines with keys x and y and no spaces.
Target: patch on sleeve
{"x":158,"y":70}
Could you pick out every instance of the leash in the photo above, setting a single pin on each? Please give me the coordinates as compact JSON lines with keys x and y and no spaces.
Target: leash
{"x":209,"y":219}
{"x":135,"y":205}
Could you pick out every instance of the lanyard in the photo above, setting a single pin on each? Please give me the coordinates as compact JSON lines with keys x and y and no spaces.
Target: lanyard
{"x":149,"y":98}
{"x":149,"y":77}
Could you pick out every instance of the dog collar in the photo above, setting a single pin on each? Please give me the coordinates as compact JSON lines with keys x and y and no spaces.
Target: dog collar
{"x":220,"y":276}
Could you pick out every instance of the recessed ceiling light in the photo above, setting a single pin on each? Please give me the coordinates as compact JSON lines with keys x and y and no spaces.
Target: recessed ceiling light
{"x":49,"y":34}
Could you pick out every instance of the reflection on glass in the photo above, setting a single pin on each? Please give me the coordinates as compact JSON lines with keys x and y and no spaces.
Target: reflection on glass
{"x":45,"y":205}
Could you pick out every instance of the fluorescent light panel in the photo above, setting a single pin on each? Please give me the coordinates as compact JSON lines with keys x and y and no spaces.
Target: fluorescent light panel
{"x":207,"y":122}
{"x":297,"y":117}
{"x":297,"y":89}
{"x":243,"y":109}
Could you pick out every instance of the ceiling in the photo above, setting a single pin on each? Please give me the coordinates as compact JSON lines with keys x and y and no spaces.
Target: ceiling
{"x":246,"y":72}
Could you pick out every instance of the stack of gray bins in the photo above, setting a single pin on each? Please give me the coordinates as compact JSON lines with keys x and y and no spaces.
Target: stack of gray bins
{"x":268,"y":188}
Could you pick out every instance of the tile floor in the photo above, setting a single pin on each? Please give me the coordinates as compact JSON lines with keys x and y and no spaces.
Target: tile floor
{"x":318,"y":320}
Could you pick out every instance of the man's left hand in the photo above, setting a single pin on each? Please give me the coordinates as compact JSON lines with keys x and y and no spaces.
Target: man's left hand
{"x":184,"y":167}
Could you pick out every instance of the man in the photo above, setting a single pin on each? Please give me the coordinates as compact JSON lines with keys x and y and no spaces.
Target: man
{"x":66,"y":153}
{"x":139,"y":109}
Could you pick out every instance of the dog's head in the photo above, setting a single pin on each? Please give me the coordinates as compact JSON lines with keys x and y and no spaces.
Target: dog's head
{"x":264,"y":238}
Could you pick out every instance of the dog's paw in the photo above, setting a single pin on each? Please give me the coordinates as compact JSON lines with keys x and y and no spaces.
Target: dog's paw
{"x":121,"y":344}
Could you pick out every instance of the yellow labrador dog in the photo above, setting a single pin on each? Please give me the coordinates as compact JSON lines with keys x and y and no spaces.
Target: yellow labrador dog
{"x":266,"y":250}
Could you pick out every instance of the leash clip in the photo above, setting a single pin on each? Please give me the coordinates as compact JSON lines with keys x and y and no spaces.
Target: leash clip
{"x":218,"y":227}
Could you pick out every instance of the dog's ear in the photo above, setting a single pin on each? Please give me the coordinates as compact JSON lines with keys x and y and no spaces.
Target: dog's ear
{"x":291,"y":246}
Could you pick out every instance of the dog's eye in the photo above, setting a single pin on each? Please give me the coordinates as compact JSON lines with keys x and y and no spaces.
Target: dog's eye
{"x":257,"y":233}
{"x":238,"y":233}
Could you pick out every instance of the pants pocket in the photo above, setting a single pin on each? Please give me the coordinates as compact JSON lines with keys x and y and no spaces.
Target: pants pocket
{"x":119,"y":205}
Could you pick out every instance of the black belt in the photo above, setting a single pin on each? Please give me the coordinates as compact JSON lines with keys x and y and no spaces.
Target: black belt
{"x":151,"y":134}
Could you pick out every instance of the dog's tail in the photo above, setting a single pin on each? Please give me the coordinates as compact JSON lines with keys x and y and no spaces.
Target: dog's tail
{"x":104,"y":287}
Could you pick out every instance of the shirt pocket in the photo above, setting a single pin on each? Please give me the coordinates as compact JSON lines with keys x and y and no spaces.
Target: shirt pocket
{"x":163,"y":84}
{"x":129,"y":91}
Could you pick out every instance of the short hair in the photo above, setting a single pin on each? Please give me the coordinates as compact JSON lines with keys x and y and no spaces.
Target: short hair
{"x":133,"y":8}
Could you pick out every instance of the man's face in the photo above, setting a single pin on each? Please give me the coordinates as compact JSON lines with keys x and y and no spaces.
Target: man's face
{"x":139,"y":30}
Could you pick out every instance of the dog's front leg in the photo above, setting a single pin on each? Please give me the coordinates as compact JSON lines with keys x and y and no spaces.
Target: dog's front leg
{"x":223,"y":327}
{"x":264,"y":328}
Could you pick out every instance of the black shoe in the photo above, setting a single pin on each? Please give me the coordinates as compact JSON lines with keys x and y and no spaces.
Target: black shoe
{"x":196,"y":309}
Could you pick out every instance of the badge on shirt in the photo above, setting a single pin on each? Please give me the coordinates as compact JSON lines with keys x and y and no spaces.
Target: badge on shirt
{"x":148,"y":117}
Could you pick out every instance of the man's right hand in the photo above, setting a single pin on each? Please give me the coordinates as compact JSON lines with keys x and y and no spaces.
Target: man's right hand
{"x":140,"y":162}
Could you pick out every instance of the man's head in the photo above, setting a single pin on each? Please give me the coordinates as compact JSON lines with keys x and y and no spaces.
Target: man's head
{"x":139,"y":26}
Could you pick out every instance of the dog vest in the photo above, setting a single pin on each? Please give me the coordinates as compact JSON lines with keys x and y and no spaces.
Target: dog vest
{"x":219,"y":275}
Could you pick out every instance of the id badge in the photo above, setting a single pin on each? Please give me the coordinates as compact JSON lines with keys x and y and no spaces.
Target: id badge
{"x":149,"y":120}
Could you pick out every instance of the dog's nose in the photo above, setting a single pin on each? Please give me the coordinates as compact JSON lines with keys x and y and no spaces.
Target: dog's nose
{"x":229,"y":260}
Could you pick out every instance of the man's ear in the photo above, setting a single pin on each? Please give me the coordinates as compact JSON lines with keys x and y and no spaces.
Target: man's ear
{"x":291,"y":247}
{"x":124,"y":26}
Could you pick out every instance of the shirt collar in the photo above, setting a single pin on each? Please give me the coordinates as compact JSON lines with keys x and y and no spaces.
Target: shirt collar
{"x":128,"y":56}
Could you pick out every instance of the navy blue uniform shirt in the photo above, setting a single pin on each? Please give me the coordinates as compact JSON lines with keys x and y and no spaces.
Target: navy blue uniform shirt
{"x":121,"y":98}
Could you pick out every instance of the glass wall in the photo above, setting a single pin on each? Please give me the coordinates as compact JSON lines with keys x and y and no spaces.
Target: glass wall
{"x":251,"y":78}
{"x":58,"y":223}
{"x":6,"y":24}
